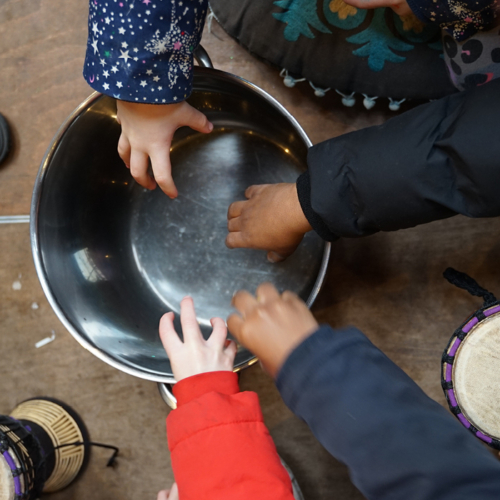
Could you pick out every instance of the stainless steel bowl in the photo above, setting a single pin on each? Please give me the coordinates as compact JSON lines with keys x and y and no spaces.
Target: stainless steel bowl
{"x":113,"y":257}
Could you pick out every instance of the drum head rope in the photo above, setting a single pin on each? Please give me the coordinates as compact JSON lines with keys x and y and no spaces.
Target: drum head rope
{"x":22,"y":453}
{"x":491,"y":306}
{"x":462,"y":280}
{"x":23,"y":456}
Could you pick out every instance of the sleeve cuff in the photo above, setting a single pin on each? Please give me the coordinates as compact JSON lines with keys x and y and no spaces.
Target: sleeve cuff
{"x":188,"y":389}
{"x":304,"y":194}
{"x":416,"y":8}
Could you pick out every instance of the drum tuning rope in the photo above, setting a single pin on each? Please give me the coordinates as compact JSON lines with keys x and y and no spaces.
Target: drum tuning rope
{"x":462,"y":280}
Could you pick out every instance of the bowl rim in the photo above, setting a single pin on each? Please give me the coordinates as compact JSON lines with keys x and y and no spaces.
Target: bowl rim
{"x":34,"y":226}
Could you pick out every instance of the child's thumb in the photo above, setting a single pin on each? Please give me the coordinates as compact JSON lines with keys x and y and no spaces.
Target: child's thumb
{"x":199,"y":122}
{"x":274,"y":257}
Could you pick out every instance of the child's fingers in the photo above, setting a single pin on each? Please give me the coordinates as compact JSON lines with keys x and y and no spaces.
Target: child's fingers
{"x":235,"y":324}
{"x":266,"y":292}
{"x":234,"y":225}
{"x":174,"y":492}
{"x":168,"y":335}
{"x":231,"y":349}
{"x":190,"y":327}
{"x":255,"y":189}
{"x":289,"y":296}
{"x":124,"y":149}
{"x":163,"y":495}
{"x":275,"y":257}
{"x":245,"y":302}
{"x":197,"y":121}
{"x":219,"y":333}
{"x":235,"y":209}
{"x":235,"y":240}
{"x":139,"y":169}
{"x":162,"y":169}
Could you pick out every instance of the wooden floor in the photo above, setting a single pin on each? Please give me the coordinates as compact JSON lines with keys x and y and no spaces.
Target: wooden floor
{"x":389,"y":285}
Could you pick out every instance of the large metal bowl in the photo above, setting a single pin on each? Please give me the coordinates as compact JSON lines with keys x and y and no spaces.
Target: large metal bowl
{"x":113,"y":257}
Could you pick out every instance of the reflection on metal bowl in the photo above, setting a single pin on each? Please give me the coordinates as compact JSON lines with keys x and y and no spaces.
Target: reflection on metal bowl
{"x":112,"y":257}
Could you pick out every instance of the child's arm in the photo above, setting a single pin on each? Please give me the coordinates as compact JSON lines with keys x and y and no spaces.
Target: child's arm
{"x":141,"y":53}
{"x":367,"y":412}
{"x":435,"y":161}
{"x":220,"y":447}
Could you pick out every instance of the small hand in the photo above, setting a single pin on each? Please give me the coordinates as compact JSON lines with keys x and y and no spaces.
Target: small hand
{"x":400,"y":7}
{"x":271,"y":219}
{"x":171,"y":494}
{"x":147,"y":132}
{"x":196,"y":355}
{"x":270,"y":325}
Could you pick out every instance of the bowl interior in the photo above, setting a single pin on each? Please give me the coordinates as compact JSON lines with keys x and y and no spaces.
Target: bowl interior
{"x":114,"y":257}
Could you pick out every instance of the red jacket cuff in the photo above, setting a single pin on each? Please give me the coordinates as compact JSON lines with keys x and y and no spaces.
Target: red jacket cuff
{"x":223,"y":382}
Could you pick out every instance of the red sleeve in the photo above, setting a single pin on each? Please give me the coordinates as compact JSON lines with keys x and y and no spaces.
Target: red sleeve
{"x":219,"y":445}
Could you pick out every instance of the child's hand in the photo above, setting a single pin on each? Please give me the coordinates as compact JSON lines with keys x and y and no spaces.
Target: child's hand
{"x":196,"y":355}
{"x":271,"y":219}
{"x":271,"y":325}
{"x":147,"y":132}
{"x":400,"y":7}
{"x":171,"y":494}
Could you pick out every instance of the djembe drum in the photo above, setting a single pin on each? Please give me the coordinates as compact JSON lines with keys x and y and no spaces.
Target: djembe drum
{"x":471,"y":365}
{"x":43,"y":446}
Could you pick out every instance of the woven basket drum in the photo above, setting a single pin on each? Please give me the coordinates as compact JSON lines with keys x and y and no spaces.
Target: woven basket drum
{"x":63,"y":426}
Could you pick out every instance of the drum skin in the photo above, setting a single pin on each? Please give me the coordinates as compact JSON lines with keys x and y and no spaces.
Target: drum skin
{"x":7,"y":490}
{"x":476,"y":376}
{"x":471,"y":374}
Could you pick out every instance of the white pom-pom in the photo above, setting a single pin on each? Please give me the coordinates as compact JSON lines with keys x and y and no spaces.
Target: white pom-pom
{"x":368,"y":102}
{"x":348,"y":101}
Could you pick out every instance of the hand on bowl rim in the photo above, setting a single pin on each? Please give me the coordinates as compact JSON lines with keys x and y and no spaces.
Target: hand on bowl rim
{"x":147,"y":132}
{"x":400,"y":7}
{"x":270,"y":324}
{"x":270,"y":219}
{"x":196,"y":355}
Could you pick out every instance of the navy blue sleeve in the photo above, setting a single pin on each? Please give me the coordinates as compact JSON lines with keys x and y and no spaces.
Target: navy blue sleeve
{"x":396,"y":441}
{"x":460,"y":18}
{"x":437,"y":160}
{"x":142,"y":50}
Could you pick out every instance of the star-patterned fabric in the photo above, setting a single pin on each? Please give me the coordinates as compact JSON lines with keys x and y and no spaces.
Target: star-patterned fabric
{"x":460,"y":18}
{"x":142,"y":50}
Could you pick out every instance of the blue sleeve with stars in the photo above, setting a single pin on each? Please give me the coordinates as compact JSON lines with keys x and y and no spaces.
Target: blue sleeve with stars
{"x":460,"y":18}
{"x":142,"y":50}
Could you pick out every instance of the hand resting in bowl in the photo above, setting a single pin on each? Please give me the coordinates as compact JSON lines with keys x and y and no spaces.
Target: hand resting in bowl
{"x":270,"y":219}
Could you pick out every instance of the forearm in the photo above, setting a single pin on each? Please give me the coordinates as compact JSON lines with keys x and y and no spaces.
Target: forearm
{"x":433,"y":162}
{"x":220,"y":433}
{"x":142,"y":52}
{"x":396,"y":441}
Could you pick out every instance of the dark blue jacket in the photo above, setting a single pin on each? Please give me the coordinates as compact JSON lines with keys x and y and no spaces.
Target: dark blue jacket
{"x":437,"y":160}
{"x":397,"y":443}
